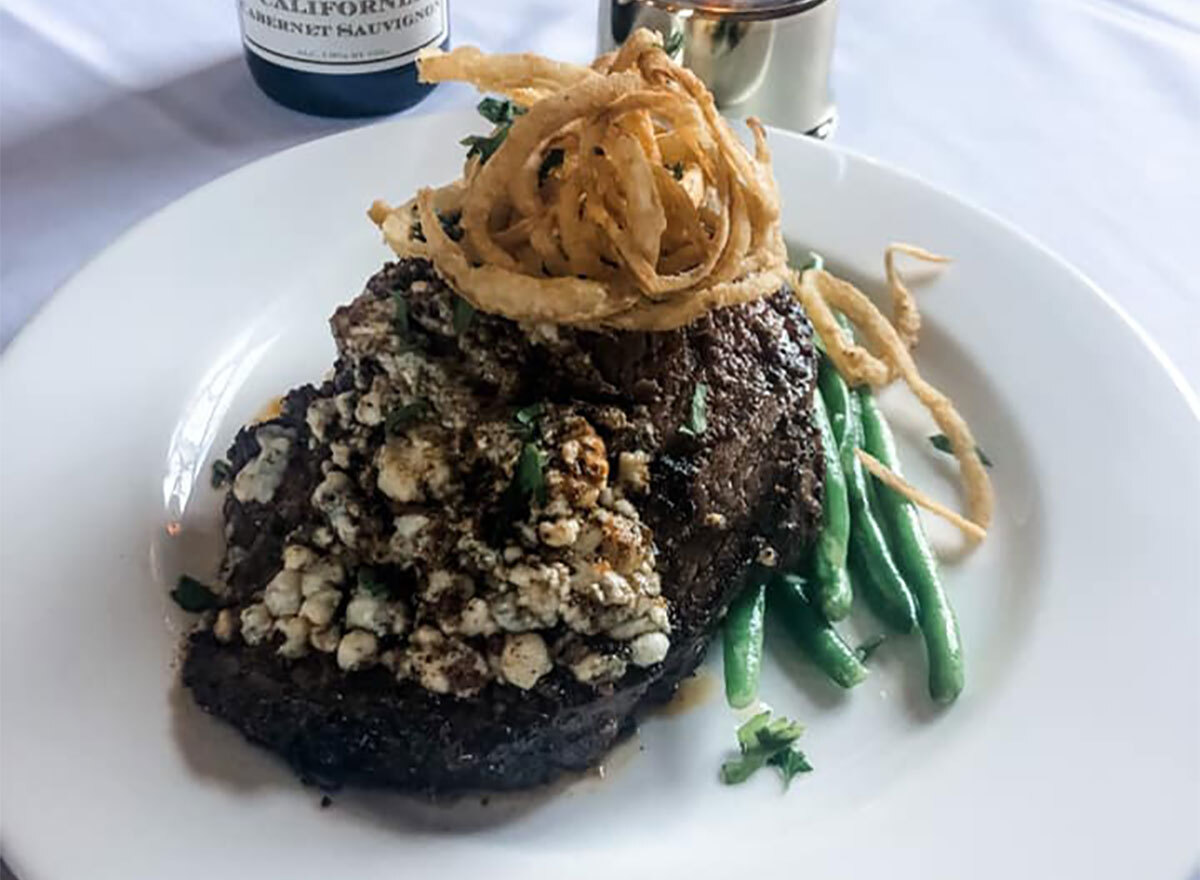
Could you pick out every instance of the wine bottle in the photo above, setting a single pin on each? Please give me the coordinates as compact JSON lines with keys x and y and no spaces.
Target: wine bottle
{"x":342,"y":57}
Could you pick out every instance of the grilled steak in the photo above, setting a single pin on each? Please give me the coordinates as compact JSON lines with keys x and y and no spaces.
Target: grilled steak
{"x":703,"y":460}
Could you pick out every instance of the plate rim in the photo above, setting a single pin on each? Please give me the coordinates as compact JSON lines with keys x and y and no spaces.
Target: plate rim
{"x":79,"y":279}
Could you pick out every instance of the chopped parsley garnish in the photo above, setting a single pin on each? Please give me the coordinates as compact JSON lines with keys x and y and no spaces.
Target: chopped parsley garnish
{"x":942,"y":443}
{"x":370,"y":582}
{"x":526,"y":419}
{"x":191,"y":595}
{"x":697,"y":420}
{"x":870,"y":646}
{"x":552,"y":159}
{"x":402,"y":323}
{"x":763,"y":742}
{"x":405,"y":415}
{"x":528,"y":484}
{"x":499,"y":112}
{"x":463,"y":313}
{"x":790,"y":762}
{"x":673,"y":43}
{"x":762,"y":732}
{"x":528,"y":477}
{"x":484,"y":145}
{"x":222,"y":473}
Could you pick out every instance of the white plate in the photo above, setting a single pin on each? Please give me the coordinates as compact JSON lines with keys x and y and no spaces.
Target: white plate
{"x":1073,"y":751}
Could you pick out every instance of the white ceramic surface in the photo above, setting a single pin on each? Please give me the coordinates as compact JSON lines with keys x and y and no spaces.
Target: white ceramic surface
{"x":1073,"y":751}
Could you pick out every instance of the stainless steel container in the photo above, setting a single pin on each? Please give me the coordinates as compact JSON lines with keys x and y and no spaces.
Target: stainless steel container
{"x":766,"y":58}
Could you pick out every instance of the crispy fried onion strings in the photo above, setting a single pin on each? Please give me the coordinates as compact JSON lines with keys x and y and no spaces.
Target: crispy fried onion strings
{"x":886,"y":355}
{"x":619,"y":198}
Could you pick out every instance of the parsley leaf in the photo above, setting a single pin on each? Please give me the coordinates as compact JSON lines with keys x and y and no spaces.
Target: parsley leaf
{"x":740,"y":769}
{"x":673,"y":43}
{"x":941,"y":443}
{"x":222,"y":473}
{"x":790,"y":762}
{"x":526,"y":419}
{"x":484,"y":145}
{"x":870,"y":646}
{"x":529,"y":477}
{"x":764,"y":741}
{"x":191,"y":595}
{"x":499,"y":112}
{"x":463,"y":313}
{"x":747,"y":734}
{"x":697,"y":421}
{"x":528,"y":482}
{"x":405,"y":415}
{"x":775,"y":734}
{"x":677,"y":170}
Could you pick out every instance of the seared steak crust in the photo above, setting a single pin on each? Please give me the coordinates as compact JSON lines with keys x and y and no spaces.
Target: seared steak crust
{"x":748,"y":485}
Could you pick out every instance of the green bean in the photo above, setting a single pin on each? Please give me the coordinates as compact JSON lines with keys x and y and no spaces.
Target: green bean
{"x":894,"y":615}
{"x":743,"y":642}
{"x":890,"y":596}
{"x":819,"y":641}
{"x":831,"y":587}
{"x":835,"y":394}
{"x":943,"y":648}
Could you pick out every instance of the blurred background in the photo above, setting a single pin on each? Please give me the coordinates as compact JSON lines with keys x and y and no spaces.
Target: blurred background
{"x":1079,"y":120}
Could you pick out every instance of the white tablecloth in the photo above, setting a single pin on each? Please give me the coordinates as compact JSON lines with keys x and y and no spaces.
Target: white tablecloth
{"x":1077,"y":119}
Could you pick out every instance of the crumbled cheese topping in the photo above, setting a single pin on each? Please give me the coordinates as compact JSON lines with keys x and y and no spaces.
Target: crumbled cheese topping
{"x":295,"y":632}
{"x":599,"y":668}
{"x":633,"y":470}
{"x":282,"y":595}
{"x":256,"y":623}
{"x":524,"y":659}
{"x":648,"y":649}
{"x":434,"y":554}
{"x":444,"y":664}
{"x":357,"y":649}
{"x":412,"y":469}
{"x":325,"y":640}
{"x":261,"y":476}
{"x":335,"y":497}
{"x":225,"y":627}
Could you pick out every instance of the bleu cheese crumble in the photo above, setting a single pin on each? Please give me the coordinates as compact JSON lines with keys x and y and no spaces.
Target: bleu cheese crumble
{"x":449,"y":547}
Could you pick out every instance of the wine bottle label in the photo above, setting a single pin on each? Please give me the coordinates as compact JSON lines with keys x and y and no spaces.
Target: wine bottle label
{"x":342,"y":36}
